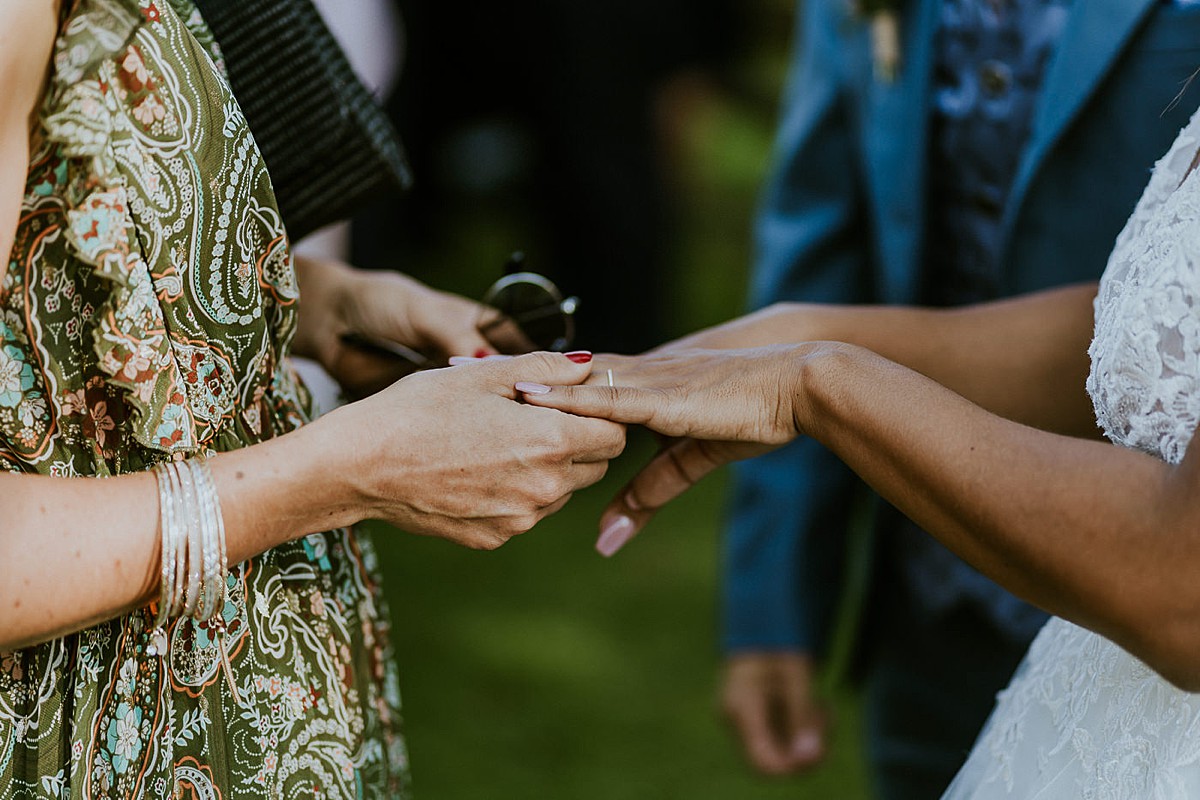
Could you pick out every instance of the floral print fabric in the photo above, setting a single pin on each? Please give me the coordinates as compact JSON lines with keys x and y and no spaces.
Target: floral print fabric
{"x":146,"y":312}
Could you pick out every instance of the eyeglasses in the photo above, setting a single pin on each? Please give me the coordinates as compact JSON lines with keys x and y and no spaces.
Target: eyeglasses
{"x":525,"y":311}
{"x":522,"y":311}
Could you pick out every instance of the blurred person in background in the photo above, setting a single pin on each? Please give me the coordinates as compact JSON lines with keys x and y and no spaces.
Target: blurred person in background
{"x":567,"y":111}
{"x":371,"y":36}
{"x":935,"y":152}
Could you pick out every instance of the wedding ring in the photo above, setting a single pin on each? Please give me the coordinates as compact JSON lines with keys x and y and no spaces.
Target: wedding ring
{"x":610,"y":378}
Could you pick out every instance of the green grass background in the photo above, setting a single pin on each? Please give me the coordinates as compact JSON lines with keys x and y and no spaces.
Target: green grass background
{"x":545,"y":671}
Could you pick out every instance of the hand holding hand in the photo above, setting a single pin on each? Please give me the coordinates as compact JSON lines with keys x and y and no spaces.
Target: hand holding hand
{"x":715,"y":407}
{"x":770,"y":700}
{"x":451,"y":452}
{"x":722,"y":395}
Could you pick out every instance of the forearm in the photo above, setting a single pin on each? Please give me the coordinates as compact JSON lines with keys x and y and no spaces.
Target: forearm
{"x":77,"y":551}
{"x":322,"y":282}
{"x":1024,"y":359}
{"x":1104,"y":536}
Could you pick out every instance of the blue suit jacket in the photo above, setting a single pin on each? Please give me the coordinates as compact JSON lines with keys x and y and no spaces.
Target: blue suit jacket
{"x":844,"y":218}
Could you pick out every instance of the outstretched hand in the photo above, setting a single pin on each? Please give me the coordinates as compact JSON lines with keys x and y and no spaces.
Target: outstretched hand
{"x":385,"y":307}
{"x":714,"y":407}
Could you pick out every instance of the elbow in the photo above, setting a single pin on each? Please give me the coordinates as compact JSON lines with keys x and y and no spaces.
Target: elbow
{"x":10,"y":635}
{"x":1188,"y":682}
{"x":1170,"y":645}
{"x":1181,"y":670}
{"x":1154,"y":604}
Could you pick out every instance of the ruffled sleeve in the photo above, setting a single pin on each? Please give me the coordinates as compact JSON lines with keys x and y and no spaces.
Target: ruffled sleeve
{"x":97,"y":68}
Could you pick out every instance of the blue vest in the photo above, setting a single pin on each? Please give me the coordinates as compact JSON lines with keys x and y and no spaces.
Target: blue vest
{"x":990,"y":63}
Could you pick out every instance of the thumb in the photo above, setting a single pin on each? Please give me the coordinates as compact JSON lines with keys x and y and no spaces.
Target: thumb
{"x":535,"y":372}
{"x":806,"y":722}
{"x":750,"y":714}
{"x":464,"y":341}
{"x":675,"y":469}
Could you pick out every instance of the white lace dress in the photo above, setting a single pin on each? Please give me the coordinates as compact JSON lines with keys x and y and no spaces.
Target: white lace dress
{"x":1082,"y":718}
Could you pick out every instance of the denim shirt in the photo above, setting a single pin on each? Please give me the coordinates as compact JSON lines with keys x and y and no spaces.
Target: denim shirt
{"x":990,"y":61}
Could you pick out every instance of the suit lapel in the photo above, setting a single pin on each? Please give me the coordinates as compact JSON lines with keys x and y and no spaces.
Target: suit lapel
{"x":1094,"y":36}
{"x":896,"y":155}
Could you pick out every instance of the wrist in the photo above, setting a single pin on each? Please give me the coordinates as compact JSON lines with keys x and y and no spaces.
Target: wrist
{"x":816,"y":367}
{"x":285,"y":488}
{"x":323,"y":289}
{"x":336,"y":461}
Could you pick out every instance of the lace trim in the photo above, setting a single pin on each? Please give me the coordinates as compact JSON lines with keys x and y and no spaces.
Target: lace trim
{"x":1145,"y":379}
{"x":1083,"y":718}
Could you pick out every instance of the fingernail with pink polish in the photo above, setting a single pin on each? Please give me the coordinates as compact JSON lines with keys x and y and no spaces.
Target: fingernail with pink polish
{"x":481,"y":353}
{"x":579,"y":356}
{"x":531,"y":388}
{"x":457,"y":360}
{"x":615,"y":534}
{"x":806,"y":745}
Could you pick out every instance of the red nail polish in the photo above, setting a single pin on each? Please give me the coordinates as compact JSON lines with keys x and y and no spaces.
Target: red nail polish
{"x":579,"y":356}
{"x":482,"y":353}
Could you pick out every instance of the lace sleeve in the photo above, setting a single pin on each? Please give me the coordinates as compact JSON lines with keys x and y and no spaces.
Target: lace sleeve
{"x":1144,"y":380}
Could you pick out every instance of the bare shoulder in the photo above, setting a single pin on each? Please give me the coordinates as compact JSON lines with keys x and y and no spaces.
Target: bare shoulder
{"x":27,"y":28}
{"x":27,"y":31}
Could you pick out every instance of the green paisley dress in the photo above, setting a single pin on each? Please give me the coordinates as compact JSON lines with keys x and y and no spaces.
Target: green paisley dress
{"x":146,"y":312}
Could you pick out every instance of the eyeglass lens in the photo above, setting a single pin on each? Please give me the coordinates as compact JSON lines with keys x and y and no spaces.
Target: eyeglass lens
{"x":533,"y":313}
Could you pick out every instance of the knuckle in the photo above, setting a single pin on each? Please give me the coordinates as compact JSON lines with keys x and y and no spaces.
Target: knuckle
{"x":545,"y":489}
{"x":635,"y":499}
{"x":524,"y":522}
{"x":558,"y":440}
{"x":517,"y":523}
{"x":544,"y":362}
{"x":618,"y":440}
{"x":486,"y":540}
{"x":510,"y":526}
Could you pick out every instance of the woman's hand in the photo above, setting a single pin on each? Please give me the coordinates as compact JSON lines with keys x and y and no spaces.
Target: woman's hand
{"x":387,"y":306}
{"x":453,"y":453}
{"x":715,"y":407}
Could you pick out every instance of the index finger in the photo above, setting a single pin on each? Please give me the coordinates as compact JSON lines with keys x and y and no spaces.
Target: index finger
{"x":625,"y":404}
{"x":676,"y":468}
{"x":510,"y":374}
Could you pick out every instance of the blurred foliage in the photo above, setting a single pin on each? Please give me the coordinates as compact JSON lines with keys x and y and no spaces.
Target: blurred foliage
{"x":543,"y":670}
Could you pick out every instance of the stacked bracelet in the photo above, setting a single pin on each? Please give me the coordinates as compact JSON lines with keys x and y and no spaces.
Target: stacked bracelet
{"x":194,"y":560}
{"x":215,"y":564}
